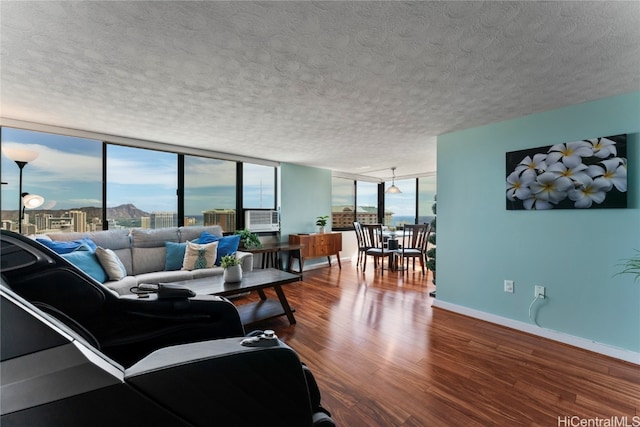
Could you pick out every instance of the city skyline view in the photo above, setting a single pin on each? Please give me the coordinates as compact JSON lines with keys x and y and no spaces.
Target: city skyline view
{"x":68,"y":174}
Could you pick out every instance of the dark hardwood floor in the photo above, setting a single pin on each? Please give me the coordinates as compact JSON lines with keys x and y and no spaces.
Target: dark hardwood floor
{"x":384,"y":357}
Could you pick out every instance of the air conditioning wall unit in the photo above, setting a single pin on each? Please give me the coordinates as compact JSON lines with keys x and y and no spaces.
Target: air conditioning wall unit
{"x":262,"y":220}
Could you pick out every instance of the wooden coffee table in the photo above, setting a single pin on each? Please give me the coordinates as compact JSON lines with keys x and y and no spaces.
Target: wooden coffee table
{"x":256,"y":280}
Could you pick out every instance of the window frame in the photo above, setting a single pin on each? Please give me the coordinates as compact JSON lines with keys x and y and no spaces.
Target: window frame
{"x":180,"y":171}
{"x":381,"y":200}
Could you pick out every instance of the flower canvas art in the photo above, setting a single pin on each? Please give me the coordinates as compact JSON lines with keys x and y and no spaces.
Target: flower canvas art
{"x":586,"y":174}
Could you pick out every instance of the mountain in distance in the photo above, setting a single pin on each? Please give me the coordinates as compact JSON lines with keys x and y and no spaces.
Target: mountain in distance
{"x":126,"y":211}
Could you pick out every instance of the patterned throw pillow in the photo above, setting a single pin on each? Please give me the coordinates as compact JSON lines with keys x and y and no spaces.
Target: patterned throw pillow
{"x":198,"y":256}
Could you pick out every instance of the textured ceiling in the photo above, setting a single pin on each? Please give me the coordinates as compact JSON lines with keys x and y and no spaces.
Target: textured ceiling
{"x":356,"y":87}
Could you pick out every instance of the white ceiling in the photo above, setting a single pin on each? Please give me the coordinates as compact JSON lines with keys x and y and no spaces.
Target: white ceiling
{"x":355,"y":87}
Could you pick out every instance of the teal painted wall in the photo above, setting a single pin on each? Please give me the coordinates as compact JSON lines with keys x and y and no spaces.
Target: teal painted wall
{"x":305,"y":194}
{"x":574,"y":253}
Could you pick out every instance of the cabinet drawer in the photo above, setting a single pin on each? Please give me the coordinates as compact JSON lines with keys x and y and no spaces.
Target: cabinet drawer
{"x":318,"y":245}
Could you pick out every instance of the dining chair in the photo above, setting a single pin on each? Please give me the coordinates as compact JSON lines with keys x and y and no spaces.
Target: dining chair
{"x":362,"y":247}
{"x":374,"y":241}
{"x":414,"y":245}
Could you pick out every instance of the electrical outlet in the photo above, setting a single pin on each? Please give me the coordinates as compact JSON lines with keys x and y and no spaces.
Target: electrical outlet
{"x":508,"y":286}
{"x":539,"y":291}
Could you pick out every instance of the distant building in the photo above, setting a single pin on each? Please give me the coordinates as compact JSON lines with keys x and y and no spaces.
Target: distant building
{"x":64,"y":223}
{"x":343,"y":216}
{"x":43,"y":221}
{"x":225,"y":218}
{"x":29,"y":228}
{"x":164,"y":219}
{"x":114,"y":224}
{"x":95,"y":225}
{"x":79,"y":221}
{"x":145,"y":222}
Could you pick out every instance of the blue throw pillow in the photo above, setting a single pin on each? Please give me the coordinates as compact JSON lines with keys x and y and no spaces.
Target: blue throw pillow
{"x":62,"y":247}
{"x":206,"y":237}
{"x":85,"y":259}
{"x":175,"y":255}
{"x":226,"y":245}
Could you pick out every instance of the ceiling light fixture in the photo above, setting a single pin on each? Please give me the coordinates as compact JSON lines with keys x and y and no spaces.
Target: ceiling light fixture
{"x":393,"y":189}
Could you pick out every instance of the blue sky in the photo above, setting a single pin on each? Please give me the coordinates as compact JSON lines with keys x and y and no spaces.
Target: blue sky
{"x":67,"y":173}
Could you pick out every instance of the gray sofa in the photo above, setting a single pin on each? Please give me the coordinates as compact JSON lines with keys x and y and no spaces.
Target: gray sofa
{"x":143,"y":253}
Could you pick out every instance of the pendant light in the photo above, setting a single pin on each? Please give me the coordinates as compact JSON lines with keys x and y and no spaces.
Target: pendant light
{"x":393,"y":189}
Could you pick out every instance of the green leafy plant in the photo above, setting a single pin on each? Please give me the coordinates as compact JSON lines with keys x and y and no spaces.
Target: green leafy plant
{"x":632,"y":266}
{"x":431,"y":253}
{"x":321,"y":221}
{"x":229,"y":260}
{"x":431,"y":258}
{"x":249,"y":239}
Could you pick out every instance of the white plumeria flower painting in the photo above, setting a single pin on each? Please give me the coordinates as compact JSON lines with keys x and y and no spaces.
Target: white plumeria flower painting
{"x":586,"y":174}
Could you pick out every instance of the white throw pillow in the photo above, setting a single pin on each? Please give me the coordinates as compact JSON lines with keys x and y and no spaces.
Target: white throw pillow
{"x":199,"y":256}
{"x":111,"y":263}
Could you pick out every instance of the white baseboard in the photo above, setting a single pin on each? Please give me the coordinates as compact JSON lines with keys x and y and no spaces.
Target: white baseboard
{"x":605,"y":349}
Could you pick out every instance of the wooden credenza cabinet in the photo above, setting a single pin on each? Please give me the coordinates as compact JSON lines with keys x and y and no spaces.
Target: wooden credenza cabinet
{"x":318,"y":245}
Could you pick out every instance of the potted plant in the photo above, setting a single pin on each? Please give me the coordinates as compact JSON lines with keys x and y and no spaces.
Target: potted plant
{"x":321,"y":222}
{"x":431,"y":253}
{"x":232,"y":268}
{"x":248,"y":239}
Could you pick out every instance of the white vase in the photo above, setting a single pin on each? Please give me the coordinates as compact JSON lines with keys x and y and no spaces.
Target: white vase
{"x":232,"y":274}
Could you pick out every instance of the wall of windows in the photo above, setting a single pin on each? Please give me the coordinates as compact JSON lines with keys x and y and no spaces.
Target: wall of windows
{"x":90,"y":185}
{"x":358,"y":201}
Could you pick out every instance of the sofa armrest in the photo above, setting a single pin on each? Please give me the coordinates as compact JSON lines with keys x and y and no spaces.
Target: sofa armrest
{"x":222,"y":382}
{"x":246,"y":260}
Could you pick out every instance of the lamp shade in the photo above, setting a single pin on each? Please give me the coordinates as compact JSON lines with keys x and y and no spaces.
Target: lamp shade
{"x":20,"y":154}
{"x":393,"y":189}
{"x":32,"y":201}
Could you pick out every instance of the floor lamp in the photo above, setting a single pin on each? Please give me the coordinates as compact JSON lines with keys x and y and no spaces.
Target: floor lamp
{"x":21,"y":156}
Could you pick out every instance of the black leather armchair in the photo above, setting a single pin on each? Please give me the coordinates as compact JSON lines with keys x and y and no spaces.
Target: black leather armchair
{"x":75,"y":354}
{"x":125,"y":329}
{"x":52,"y":376}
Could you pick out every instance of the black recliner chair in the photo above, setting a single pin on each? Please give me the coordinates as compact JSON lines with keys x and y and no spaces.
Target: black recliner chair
{"x":120,"y":361}
{"x":126,"y":328}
